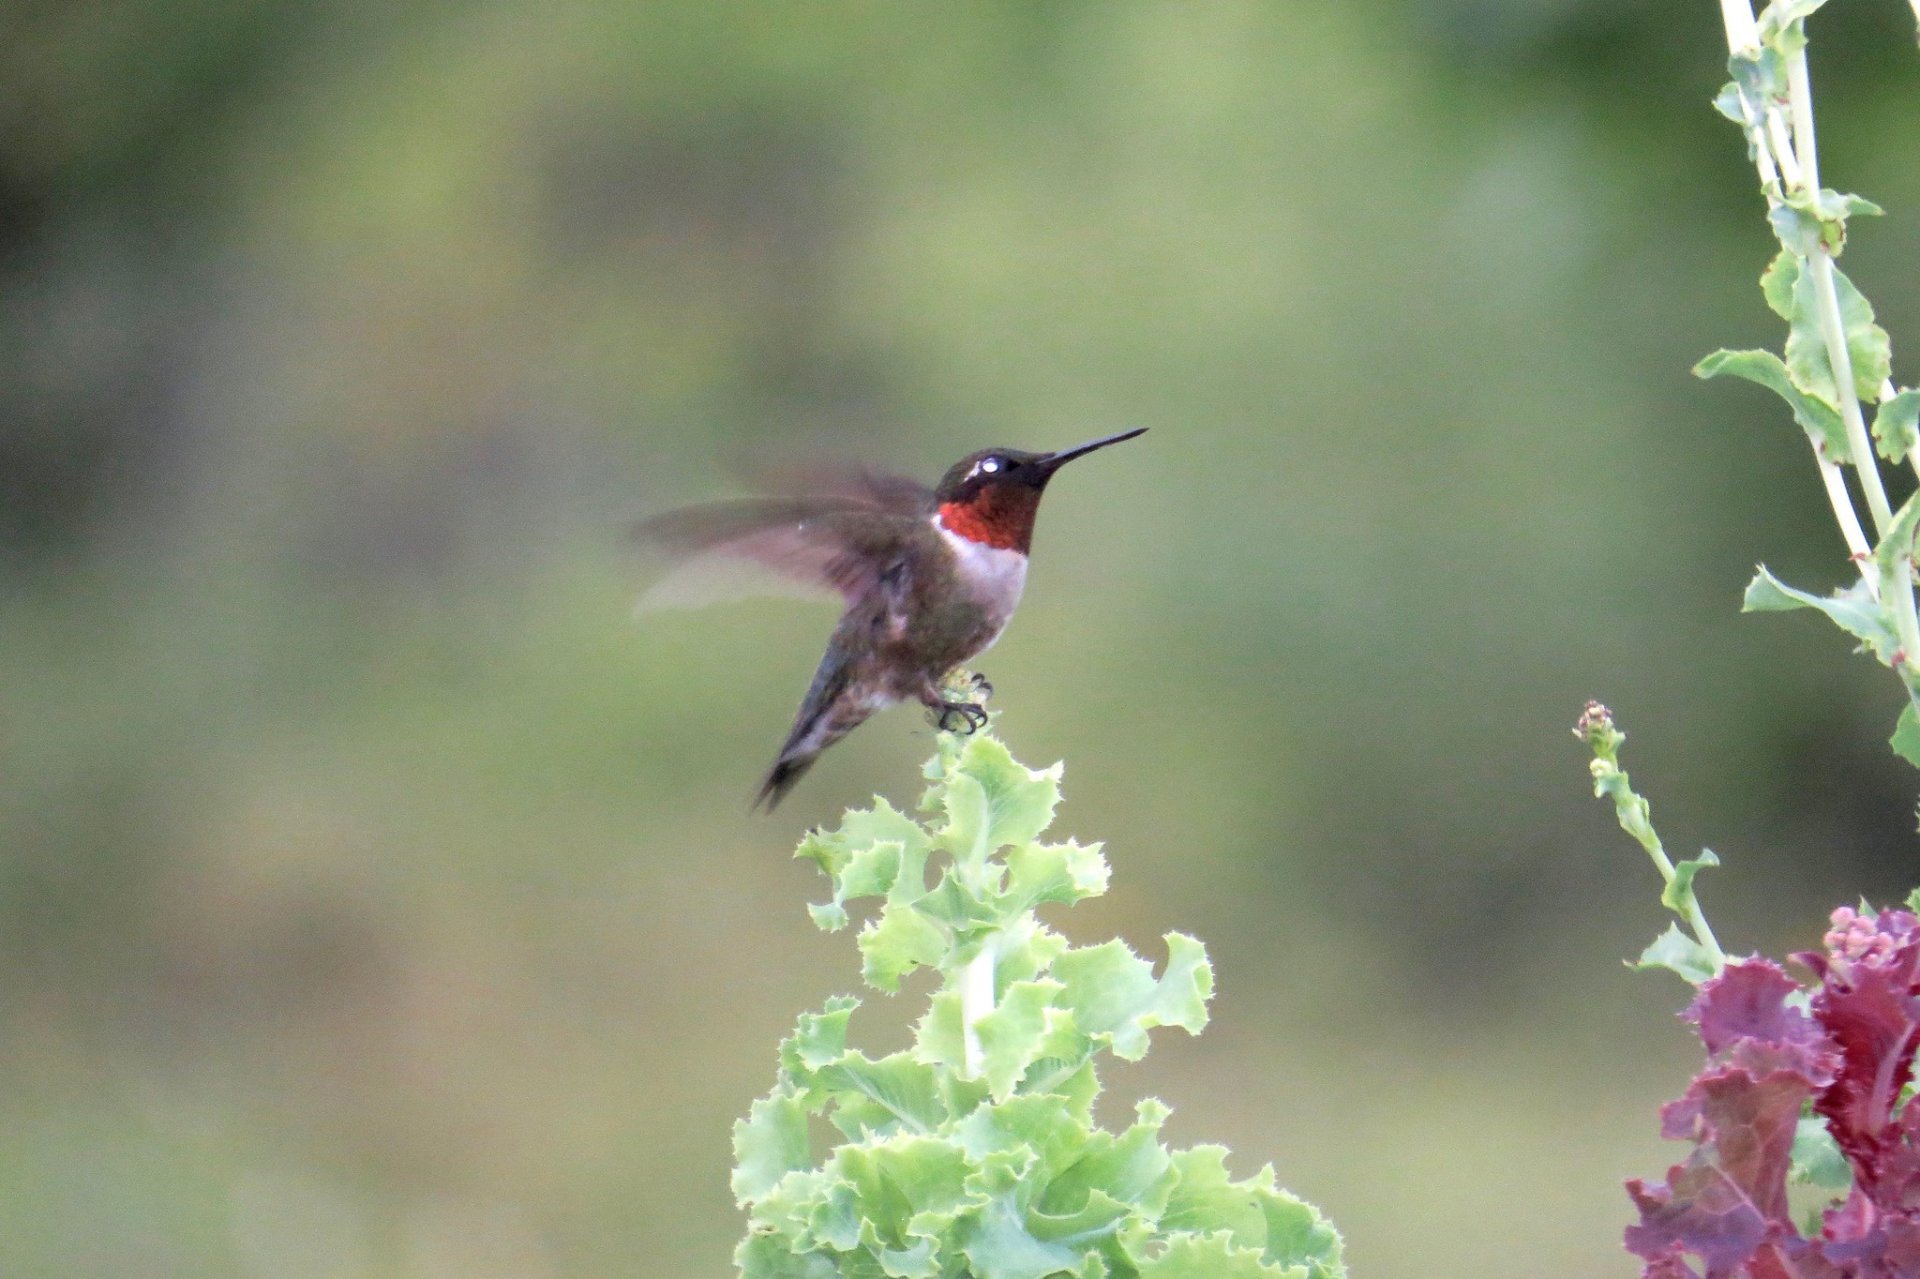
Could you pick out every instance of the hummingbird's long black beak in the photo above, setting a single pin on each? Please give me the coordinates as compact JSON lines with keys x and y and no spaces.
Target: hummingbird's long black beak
{"x":1054,"y":461}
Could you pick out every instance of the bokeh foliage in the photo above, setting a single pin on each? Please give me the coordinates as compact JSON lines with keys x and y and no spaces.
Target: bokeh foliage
{"x":368,"y":880}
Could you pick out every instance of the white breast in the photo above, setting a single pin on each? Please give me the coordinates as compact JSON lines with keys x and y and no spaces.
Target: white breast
{"x":995,"y":574}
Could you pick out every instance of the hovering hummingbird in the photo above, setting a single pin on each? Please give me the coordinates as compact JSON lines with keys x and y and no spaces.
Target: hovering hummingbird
{"x":930,"y":578}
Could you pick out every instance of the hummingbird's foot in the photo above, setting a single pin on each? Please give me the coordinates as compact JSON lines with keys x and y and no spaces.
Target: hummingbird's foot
{"x":964,"y":718}
{"x":982,"y":686}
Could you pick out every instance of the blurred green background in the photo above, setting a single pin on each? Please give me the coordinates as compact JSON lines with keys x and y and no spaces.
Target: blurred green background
{"x":377,"y":898}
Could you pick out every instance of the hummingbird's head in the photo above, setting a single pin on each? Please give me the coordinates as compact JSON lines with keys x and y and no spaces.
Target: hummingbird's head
{"x":992,"y":496}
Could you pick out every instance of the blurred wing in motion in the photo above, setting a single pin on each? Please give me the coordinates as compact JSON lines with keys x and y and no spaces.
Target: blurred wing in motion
{"x":776,"y":545}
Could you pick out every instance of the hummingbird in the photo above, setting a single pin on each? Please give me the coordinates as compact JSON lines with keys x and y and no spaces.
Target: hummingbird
{"x":930,"y":578}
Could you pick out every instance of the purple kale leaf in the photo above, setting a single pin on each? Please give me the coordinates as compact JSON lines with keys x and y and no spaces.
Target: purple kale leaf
{"x":1723,"y":1213}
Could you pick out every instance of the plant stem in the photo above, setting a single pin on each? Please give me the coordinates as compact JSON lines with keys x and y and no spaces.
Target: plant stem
{"x":1896,"y":585}
{"x":1743,"y":35}
{"x":1597,"y":729}
{"x":1856,"y":537}
{"x":976,"y":1001}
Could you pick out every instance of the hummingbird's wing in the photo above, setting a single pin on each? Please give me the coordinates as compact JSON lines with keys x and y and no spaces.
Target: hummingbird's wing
{"x":857,"y":485}
{"x":845,"y":543}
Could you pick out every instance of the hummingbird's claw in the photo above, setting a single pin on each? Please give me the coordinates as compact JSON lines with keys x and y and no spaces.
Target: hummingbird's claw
{"x":963,"y":718}
{"x":982,"y":686}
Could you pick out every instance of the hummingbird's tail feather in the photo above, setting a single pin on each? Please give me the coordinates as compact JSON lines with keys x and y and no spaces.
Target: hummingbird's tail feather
{"x":835,"y":705}
{"x":780,"y":780}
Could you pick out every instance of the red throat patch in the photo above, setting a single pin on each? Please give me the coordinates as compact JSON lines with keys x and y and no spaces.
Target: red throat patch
{"x":994,"y":518}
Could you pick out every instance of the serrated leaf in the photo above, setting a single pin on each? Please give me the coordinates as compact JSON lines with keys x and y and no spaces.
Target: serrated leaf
{"x":1112,"y":992}
{"x":877,"y":851}
{"x":938,"y":1036}
{"x":1012,"y":1035}
{"x":990,"y":801}
{"x":1066,"y":873}
{"x":899,"y":941}
{"x":818,"y":1039}
{"x":769,"y":1257}
{"x":768,"y":1144}
{"x":1027,"y":950}
{"x":1046,"y":1128}
{"x":1677,"y":896}
{"x":1132,"y":1168}
{"x":881,"y":1097}
{"x":1676,"y":952}
{"x":1896,"y":425}
{"x":1298,"y":1234}
{"x":1213,"y":1257}
{"x":900,"y":1179}
{"x":1206,"y":1200}
{"x":1817,"y":417}
{"x":1101,"y":1216}
{"x":921,"y":1261}
{"x":1853,"y":610}
{"x":1001,"y":1247}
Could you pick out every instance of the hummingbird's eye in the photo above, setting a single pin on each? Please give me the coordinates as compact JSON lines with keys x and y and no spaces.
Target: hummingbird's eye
{"x":990,"y":465}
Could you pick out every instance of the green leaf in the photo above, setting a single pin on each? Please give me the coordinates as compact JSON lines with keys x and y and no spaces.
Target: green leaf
{"x":1779,"y":15}
{"x":898,"y":1179}
{"x":1678,"y":894}
{"x":1297,"y":1233}
{"x":1906,"y":736}
{"x":1817,"y":1160}
{"x":1205,"y":1200}
{"x":1132,"y":1168}
{"x":1013,"y":1034}
{"x":1896,"y":425}
{"x":1868,"y":348}
{"x":1213,"y":1257}
{"x":1001,"y":1247}
{"x":1112,"y":992}
{"x":874,"y":852}
{"x":1761,"y":76}
{"x":1676,"y":952}
{"x":991,"y":801}
{"x":881,"y":1097}
{"x":1066,"y":873}
{"x":1816,"y":416}
{"x":899,"y":941}
{"x":768,"y":1144}
{"x":1894,"y":552}
{"x":938,"y":1035}
{"x":764,"y":1256}
{"x":1728,"y":103}
{"x":1047,"y":1128}
{"x":1853,"y":610}
{"x":1777,"y":282}
{"x":818,"y":1040}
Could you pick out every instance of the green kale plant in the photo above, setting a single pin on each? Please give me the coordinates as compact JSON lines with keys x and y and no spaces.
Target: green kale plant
{"x":974,"y":1153}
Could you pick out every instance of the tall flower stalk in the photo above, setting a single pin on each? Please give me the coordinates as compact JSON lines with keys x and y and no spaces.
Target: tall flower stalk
{"x":1836,"y":359}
